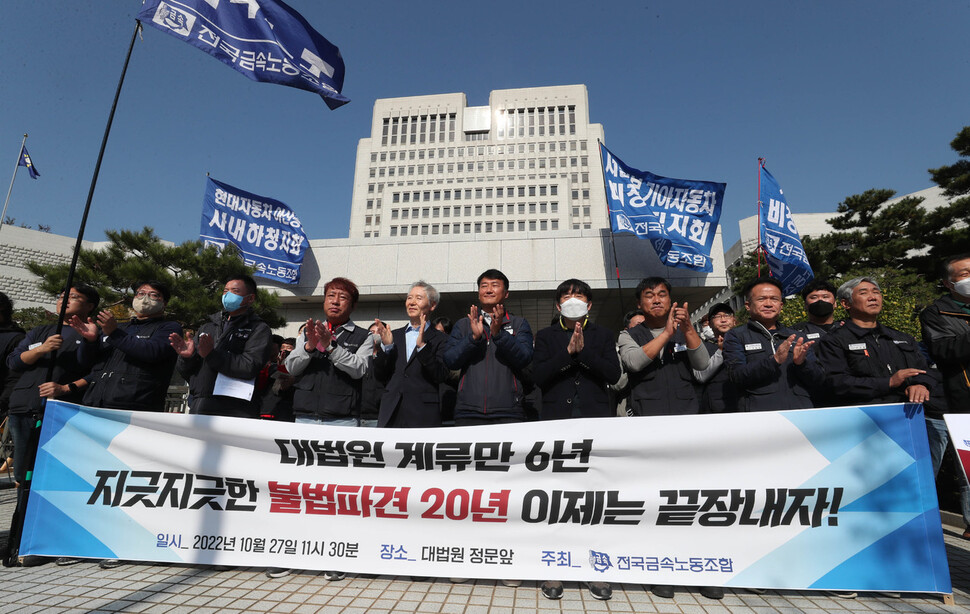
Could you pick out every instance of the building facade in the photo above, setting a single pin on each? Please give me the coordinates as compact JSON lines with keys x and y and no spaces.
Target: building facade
{"x":436,"y":168}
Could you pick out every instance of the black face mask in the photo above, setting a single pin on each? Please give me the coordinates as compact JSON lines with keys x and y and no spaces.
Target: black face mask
{"x":821,"y":309}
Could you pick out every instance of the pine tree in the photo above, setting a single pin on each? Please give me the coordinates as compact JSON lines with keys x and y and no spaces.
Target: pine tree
{"x":194,"y":274}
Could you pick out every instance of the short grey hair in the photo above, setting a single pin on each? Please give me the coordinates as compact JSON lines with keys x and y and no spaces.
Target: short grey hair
{"x":429,"y":290}
{"x":845,"y":290}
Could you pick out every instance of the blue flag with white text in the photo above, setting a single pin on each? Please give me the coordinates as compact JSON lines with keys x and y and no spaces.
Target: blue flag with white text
{"x":264,"y":40}
{"x":26,"y":161}
{"x":779,"y":238}
{"x":679,"y":216}
{"x":266,"y":231}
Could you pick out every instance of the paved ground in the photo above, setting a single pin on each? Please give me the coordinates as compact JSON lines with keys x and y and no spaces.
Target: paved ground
{"x":177,"y":589}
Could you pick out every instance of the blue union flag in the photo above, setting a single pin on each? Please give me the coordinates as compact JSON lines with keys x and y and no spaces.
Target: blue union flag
{"x":779,"y":238}
{"x":265,"y":40}
{"x":679,"y":216}
{"x":266,"y":231}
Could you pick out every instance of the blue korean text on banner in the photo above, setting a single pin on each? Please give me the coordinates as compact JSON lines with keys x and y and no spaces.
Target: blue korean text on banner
{"x":266,"y":41}
{"x":779,"y":238}
{"x":266,"y":231}
{"x":679,"y":216}
{"x":26,"y":161}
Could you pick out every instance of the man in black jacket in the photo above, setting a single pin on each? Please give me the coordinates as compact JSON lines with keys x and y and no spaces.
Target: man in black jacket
{"x":32,"y":357}
{"x":136,"y":358}
{"x":410,"y":361}
{"x":866,"y":362}
{"x":819,"y":297}
{"x":574,"y":364}
{"x":946,"y":333}
{"x":771,"y":364}
{"x":10,"y":336}
{"x":575,"y":360}
{"x":223,"y":359}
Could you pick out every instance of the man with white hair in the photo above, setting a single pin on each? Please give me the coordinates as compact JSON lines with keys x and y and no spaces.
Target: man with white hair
{"x":410,"y":361}
{"x":867,"y":362}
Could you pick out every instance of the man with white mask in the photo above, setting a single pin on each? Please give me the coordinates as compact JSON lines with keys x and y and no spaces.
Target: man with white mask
{"x":946,"y":333}
{"x":136,"y":360}
{"x":575,"y":362}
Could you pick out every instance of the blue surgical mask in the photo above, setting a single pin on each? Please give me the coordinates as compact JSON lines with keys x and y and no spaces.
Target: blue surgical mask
{"x":231,"y":301}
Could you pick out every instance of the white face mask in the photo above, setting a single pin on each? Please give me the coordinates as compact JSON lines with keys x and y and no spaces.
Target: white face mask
{"x":708,"y":333}
{"x":962,"y":287}
{"x":574,"y":308}
{"x":147,"y":306}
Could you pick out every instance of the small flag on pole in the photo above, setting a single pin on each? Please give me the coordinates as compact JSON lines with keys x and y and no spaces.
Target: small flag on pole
{"x":264,"y":40}
{"x":679,"y":216}
{"x":779,"y":238}
{"x":25,"y":161}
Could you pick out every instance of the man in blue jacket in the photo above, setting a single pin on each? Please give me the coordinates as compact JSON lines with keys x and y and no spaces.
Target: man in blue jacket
{"x":492,"y":349}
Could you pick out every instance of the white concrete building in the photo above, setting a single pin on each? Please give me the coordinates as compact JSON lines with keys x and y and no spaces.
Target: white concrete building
{"x":435,"y":167}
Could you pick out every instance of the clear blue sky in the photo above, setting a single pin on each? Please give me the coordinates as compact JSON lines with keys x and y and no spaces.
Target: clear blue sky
{"x":838,"y":96}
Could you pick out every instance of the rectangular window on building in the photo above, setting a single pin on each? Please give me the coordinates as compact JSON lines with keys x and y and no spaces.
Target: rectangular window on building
{"x":498,"y":208}
{"x":468,"y":228}
{"x":521,"y":226}
{"x":488,"y":209}
{"x":554,"y":207}
{"x":425,"y":212}
{"x":434,"y":227}
{"x":532,"y":208}
{"x":478,"y":210}
{"x":424,"y":229}
{"x":393,"y":231}
{"x":445,"y":229}
{"x":555,"y":224}
{"x":468,"y":210}
{"x":478,"y":227}
{"x":542,"y":207}
{"x":586,"y":194}
{"x":404,"y":231}
{"x":521,"y":208}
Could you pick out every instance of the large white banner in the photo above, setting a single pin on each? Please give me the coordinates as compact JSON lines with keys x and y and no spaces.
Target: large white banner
{"x":824,"y":499}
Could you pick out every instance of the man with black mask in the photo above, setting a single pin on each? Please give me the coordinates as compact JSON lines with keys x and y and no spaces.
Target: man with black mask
{"x":819,"y":297}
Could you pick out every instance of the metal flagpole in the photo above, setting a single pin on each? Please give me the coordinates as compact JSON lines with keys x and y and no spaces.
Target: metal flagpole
{"x":609,"y":220}
{"x":3,"y":216}
{"x":17,"y":524}
{"x":761,"y":163}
